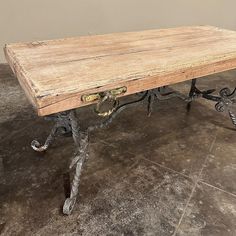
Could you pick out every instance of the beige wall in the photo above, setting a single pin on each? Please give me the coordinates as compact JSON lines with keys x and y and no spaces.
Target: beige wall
{"x":26,"y":20}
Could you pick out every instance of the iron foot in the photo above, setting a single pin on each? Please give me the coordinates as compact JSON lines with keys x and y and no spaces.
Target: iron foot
{"x":61,"y":127}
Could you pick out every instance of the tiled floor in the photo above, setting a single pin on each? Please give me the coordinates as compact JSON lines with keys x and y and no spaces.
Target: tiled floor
{"x":169,"y":174}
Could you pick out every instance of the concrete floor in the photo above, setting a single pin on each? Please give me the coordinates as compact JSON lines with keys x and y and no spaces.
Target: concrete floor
{"x":170,"y":174}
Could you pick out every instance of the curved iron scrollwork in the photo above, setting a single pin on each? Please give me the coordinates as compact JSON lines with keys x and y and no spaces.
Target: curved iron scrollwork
{"x":224,"y":102}
{"x":66,"y":123}
{"x":227,"y":99}
{"x":161,"y":94}
{"x":62,"y":127}
{"x":196,"y":93}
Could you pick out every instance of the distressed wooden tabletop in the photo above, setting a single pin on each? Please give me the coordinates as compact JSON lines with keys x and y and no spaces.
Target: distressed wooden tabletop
{"x":56,"y":73}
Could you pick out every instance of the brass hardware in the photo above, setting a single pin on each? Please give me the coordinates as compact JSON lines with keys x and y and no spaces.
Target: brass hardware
{"x":106,"y":98}
{"x":103,"y":97}
{"x":118,"y":91}
{"x":98,"y":96}
{"x":91,"y":97}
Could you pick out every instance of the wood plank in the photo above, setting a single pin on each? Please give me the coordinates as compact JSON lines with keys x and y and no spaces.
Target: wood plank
{"x":56,"y":73}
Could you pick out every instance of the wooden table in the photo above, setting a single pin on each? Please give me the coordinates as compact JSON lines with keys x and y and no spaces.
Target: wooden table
{"x":61,"y":75}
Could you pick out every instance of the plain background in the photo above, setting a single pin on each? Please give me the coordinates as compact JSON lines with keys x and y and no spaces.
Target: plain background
{"x":29,"y":20}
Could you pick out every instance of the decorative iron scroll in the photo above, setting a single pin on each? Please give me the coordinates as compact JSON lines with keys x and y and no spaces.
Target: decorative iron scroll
{"x":66,"y":123}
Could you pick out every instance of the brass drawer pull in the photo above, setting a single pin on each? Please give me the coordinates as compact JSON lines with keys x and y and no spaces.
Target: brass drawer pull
{"x":103,"y":97}
{"x":107,"y":98}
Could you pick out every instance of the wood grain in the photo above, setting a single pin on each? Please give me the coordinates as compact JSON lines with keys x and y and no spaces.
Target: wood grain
{"x":55,"y":73}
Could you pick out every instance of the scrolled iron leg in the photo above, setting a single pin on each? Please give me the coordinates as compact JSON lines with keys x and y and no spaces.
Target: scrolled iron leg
{"x":226,"y":101}
{"x":196,"y":93}
{"x":66,"y":122}
{"x":191,"y":94}
{"x":162,"y":94}
{"x":81,"y":153}
{"x":35,"y":144}
{"x":150,"y":104}
{"x":62,"y":126}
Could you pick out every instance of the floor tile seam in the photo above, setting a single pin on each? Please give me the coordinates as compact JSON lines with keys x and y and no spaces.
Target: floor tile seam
{"x":217,"y":188}
{"x":166,"y":168}
{"x":185,"y":209}
{"x":195,"y":184}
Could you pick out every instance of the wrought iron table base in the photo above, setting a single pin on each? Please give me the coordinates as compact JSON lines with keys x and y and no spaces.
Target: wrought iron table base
{"x":67,"y":123}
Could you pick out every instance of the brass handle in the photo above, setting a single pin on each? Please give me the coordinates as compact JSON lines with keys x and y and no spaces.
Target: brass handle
{"x":103,"y":97}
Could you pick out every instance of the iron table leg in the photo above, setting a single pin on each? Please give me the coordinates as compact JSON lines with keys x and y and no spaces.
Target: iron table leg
{"x":81,"y":153}
{"x":67,"y":123}
{"x":191,"y":93}
{"x":224,"y":102}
